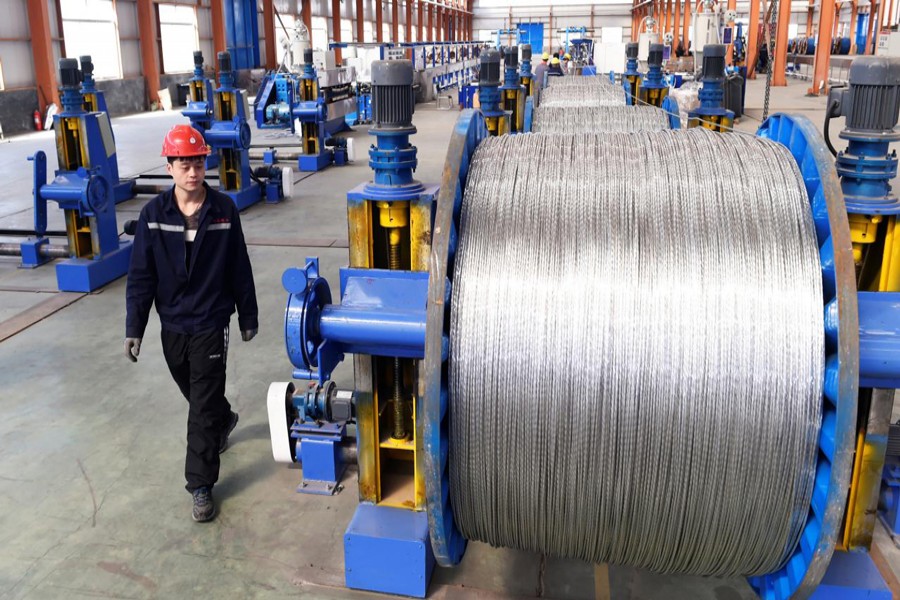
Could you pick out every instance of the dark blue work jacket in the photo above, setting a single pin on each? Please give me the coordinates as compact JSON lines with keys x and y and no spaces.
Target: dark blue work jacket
{"x":196,"y":299}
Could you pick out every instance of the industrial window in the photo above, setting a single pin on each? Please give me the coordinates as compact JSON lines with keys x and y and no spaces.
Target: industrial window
{"x":346,"y":30}
{"x":386,"y":32}
{"x":90,"y":27}
{"x":180,"y":38}
{"x":793,"y":30}
{"x":367,"y":32}
{"x":611,"y":35}
{"x":319,"y":33}
{"x":284,"y":34}
{"x":284,"y":31}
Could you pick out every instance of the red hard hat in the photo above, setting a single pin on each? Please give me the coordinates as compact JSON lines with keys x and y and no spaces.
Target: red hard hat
{"x":184,"y":140}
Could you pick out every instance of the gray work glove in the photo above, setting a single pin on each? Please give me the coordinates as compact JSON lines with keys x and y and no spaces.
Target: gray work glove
{"x":248,"y":334}
{"x":132,"y":348}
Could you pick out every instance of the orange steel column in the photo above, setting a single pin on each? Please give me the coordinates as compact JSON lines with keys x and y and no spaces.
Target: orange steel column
{"x":663,"y":17}
{"x":428,"y":34}
{"x":42,"y":53}
{"x":217,"y":16}
{"x":420,"y":14}
{"x":149,"y":59}
{"x":269,"y":30}
{"x":395,"y":21}
{"x":823,"y":49}
{"x":870,"y":40}
{"x":676,"y":33}
{"x":810,"y":10}
{"x":853,"y":14}
{"x":379,"y":22}
{"x":336,"y":28}
{"x":779,"y":76}
{"x":837,"y":22}
{"x":360,"y":19}
{"x":753,"y":39}
{"x":305,"y":14}
{"x":409,"y":20}
{"x":890,"y":16}
{"x":688,"y":6}
{"x":633,"y":22}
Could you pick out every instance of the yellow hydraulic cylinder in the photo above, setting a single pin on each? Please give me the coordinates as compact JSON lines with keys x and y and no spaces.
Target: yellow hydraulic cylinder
{"x":633,"y":82}
{"x":717,"y":123}
{"x":496,"y":125}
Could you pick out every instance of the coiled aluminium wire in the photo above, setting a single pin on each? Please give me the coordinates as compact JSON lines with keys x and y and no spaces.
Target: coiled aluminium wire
{"x":580,"y":93}
{"x":598,"y":119}
{"x":636,"y":350}
{"x":577,"y":80}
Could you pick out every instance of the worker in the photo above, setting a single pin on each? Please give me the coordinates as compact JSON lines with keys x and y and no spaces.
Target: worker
{"x":568,"y":66}
{"x":190,"y":258}
{"x":555,"y":67}
{"x":540,"y":75}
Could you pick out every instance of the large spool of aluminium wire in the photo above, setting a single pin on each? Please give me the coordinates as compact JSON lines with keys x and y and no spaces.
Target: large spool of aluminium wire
{"x":581,"y":91}
{"x":598,"y":119}
{"x":637,"y":350}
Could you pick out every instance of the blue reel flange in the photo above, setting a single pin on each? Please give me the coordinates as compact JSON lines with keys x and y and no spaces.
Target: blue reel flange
{"x":446,"y":540}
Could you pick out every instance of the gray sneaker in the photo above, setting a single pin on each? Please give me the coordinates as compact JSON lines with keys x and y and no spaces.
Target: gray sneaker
{"x":204,"y":505}
{"x":232,"y":423}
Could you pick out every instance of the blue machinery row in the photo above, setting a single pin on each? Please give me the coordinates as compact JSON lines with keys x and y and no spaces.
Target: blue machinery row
{"x":391,"y":318}
{"x":294,"y":101}
{"x":86,"y":186}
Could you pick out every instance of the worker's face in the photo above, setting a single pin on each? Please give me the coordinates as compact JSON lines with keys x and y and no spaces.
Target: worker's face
{"x":188,"y":172}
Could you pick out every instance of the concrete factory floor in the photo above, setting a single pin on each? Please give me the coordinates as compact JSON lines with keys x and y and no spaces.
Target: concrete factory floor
{"x":91,"y":493}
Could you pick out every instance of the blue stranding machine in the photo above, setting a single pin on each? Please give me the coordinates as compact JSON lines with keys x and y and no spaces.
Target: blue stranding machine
{"x":229,"y":136}
{"x":288,"y":101}
{"x":83,"y":187}
{"x":386,"y":545}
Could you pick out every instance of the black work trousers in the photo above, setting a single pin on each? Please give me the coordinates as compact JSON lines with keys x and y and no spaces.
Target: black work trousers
{"x":197,"y":363}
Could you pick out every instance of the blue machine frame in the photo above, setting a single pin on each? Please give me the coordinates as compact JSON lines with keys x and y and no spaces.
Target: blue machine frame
{"x":241,"y":32}
{"x":274,"y":105}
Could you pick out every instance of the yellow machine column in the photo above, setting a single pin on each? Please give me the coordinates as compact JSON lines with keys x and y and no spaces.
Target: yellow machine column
{"x":512,"y":92}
